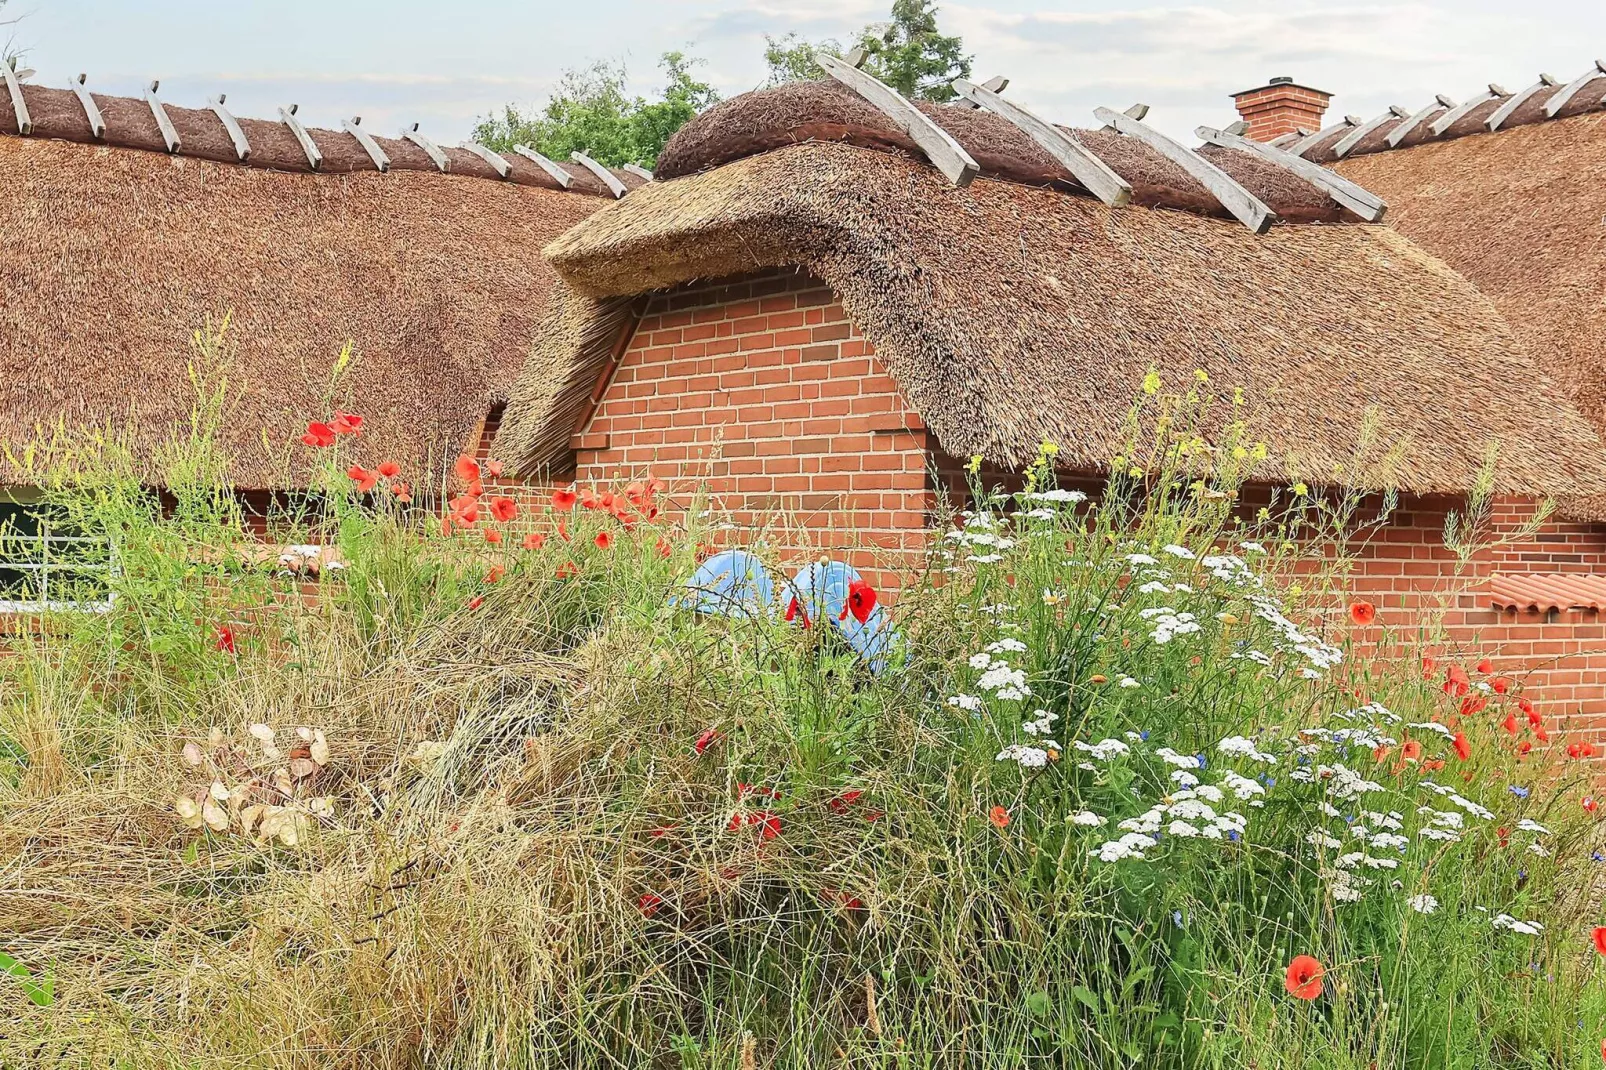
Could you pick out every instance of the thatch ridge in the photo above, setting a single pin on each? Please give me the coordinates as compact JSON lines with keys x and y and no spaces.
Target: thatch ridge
{"x":1591,"y":99}
{"x":57,"y":113}
{"x":114,"y":257}
{"x":798,"y":112}
{"x":1010,"y":315}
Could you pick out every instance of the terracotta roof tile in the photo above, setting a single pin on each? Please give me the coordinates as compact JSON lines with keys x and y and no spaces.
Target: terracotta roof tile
{"x":1547,"y":592}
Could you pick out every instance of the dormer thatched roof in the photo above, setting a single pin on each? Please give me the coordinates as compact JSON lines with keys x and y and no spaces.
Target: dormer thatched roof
{"x":1010,"y":313}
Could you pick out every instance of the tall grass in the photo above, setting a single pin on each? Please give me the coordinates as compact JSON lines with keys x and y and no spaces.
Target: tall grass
{"x":486,"y":806}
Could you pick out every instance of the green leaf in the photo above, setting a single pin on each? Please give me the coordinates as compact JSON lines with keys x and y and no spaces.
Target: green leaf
{"x":1038,"y":1004}
{"x":1087,"y":997}
{"x":42,"y":993}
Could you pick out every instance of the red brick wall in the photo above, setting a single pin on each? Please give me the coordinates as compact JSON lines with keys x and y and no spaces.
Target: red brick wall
{"x":762,"y":392}
{"x":1406,"y":569}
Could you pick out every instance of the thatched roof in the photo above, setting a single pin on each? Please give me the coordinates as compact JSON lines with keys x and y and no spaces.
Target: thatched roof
{"x":1011,"y":314}
{"x":1581,"y":96}
{"x":828,"y":112}
{"x":1519,"y":212}
{"x":113,"y":256}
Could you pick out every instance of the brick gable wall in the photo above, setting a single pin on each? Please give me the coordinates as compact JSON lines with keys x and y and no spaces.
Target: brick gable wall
{"x":763,"y":392}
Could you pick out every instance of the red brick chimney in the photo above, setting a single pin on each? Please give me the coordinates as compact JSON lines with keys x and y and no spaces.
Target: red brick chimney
{"x":1281,"y":107}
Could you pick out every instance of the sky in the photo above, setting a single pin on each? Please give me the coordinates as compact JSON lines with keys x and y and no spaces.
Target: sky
{"x":446,"y":63}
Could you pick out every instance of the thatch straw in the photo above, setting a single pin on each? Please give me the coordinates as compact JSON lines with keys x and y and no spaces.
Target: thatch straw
{"x":57,"y":113}
{"x":113,"y":257}
{"x":1010,"y":315}
{"x":1519,"y":213}
{"x":1473,"y":123}
{"x":825,"y":111}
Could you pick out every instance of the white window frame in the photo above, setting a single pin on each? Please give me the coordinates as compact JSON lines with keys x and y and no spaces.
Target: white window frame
{"x":40,"y":563}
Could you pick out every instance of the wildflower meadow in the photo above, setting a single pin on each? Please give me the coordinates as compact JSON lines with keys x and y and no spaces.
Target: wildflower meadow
{"x":597,"y":778}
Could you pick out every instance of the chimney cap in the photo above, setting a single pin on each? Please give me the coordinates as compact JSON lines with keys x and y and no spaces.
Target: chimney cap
{"x":1282,"y":81}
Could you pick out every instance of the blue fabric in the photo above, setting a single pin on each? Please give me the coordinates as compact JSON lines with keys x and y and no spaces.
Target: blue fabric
{"x":735,"y":583}
{"x":732,"y":583}
{"x":822,"y":591}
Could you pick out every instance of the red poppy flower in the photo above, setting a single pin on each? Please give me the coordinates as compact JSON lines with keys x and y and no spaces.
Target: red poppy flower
{"x":465,"y":511}
{"x":636,"y":492}
{"x":1412,"y":750}
{"x":1456,"y":681}
{"x":364,"y":479}
{"x":841,"y":803}
{"x":1485,"y":666}
{"x":1428,"y":666}
{"x":1304,"y":978}
{"x":1540,"y":734}
{"x":476,"y":602}
{"x":1433,"y":765}
{"x":1463,"y":749}
{"x":466,"y":469}
{"x":446,"y":525}
{"x":999,"y":817}
{"x":224,"y":639}
{"x":389,"y":469}
{"x":874,"y":815}
{"x":568,"y":569}
{"x":1528,"y":708}
{"x":319,"y":435}
{"x":496,"y":574}
{"x":655,"y":486}
{"x":1589,"y":804}
{"x":1510,"y":724}
{"x":563,"y":530}
{"x":1473,"y":704}
{"x":794,"y":610}
{"x":493,"y":536}
{"x":769,"y":825}
{"x":1380,"y":752}
{"x":604,"y":540}
{"x":1523,"y":748}
{"x":474,"y":489}
{"x":403,"y":492}
{"x":534,"y":541}
{"x":1501,"y":834}
{"x":563,"y":499}
{"x":493,"y":469}
{"x":664,"y":549}
{"x":861,"y":601}
{"x":346,"y":423}
{"x":504,"y":509}
{"x":661,"y":831}
{"x":1500,"y":685}
{"x":734,"y":823}
{"x":648,"y":904}
{"x":708,"y":736}
{"x":1362,"y":612}
{"x":588,"y":498}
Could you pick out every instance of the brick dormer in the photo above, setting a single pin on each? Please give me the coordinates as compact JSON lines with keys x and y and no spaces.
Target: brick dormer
{"x":1280,"y":107}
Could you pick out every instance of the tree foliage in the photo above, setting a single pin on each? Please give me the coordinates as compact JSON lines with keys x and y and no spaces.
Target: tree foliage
{"x":908,"y":52}
{"x":593,"y":113}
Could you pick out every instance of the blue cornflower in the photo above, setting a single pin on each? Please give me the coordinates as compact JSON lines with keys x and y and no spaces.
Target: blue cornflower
{"x":1521,"y":793}
{"x":1596,"y":856}
{"x":1200,"y":758}
{"x":1176,"y":918}
{"x":1144,"y":735}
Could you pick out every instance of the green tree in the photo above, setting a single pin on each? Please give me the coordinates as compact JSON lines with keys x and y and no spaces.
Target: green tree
{"x":592,"y":113}
{"x":908,"y":52}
